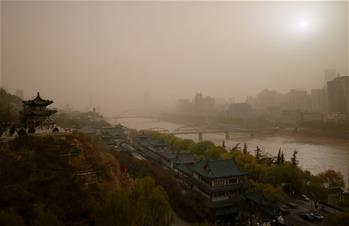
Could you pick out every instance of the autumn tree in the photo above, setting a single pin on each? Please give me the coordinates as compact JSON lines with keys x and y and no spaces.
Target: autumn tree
{"x":332,"y":178}
{"x":144,"y":203}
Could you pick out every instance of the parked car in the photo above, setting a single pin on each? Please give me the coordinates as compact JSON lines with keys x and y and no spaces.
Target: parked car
{"x":308,"y":217}
{"x":318,"y":216}
{"x":303,"y":197}
{"x":284,"y":210}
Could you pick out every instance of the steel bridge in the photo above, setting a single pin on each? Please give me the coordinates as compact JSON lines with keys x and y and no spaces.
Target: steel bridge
{"x":183,"y":130}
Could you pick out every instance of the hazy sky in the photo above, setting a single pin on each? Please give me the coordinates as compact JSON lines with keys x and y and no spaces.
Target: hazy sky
{"x":112,"y":53}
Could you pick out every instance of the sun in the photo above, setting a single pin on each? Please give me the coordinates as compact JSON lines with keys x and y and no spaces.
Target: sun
{"x":303,"y":24}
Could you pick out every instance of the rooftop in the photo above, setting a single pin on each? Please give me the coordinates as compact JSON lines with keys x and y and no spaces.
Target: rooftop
{"x":217,"y":168}
{"x":38,"y":101}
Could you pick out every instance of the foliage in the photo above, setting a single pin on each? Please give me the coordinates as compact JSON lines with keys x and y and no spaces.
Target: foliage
{"x":203,"y":150}
{"x":39,"y":183}
{"x":187,"y":205}
{"x":144,"y":203}
{"x":9,"y":107}
{"x":245,"y":149}
{"x":273,"y":180}
{"x":332,"y":178}
{"x":79,"y":120}
{"x":273,"y":193}
{"x":294,"y":160}
{"x":315,"y":188}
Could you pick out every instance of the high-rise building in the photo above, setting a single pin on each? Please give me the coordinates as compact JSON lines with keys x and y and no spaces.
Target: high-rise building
{"x":204,"y":105}
{"x":330,"y":74}
{"x":298,"y":99}
{"x":319,"y":100}
{"x":338,"y":95}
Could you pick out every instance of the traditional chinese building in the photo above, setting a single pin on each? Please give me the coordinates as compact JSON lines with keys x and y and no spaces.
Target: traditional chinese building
{"x":222,"y":183}
{"x":36,"y":114}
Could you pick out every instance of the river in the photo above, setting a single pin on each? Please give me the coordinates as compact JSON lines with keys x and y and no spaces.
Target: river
{"x":314,"y":154}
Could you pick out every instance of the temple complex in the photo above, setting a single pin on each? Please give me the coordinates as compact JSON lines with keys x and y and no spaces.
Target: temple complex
{"x":36,"y":114}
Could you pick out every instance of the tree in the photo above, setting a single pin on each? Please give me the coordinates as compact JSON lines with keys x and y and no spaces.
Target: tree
{"x":315,"y":189}
{"x":115,"y":209}
{"x":270,"y":192}
{"x":144,"y":203}
{"x":150,"y":206}
{"x":282,"y":158}
{"x":258,"y":153}
{"x":278,"y":158}
{"x":245,"y":149}
{"x":294,"y":160}
{"x":332,"y":178}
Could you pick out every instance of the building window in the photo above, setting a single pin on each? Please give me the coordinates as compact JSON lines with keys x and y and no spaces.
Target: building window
{"x":233,"y":180}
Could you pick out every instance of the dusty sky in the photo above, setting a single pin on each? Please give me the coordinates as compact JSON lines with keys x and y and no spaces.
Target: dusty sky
{"x":111,"y":53}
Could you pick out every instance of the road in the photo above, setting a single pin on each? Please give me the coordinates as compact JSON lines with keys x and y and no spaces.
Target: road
{"x":294,"y":217}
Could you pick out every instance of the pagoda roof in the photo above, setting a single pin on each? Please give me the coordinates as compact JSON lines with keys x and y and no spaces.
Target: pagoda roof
{"x":38,"y":101}
{"x":217,"y":168}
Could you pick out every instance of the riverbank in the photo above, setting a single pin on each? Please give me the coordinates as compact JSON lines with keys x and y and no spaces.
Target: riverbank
{"x":314,"y":139}
{"x":315,"y":154}
{"x":308,"y":130}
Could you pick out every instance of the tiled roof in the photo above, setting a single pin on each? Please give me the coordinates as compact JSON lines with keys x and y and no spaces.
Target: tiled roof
{"x":178,"y":158}
{"x":184,"y":168}
{"x":38,"y":101}
{"x":184,"y":158}
{"x":217,"y":168}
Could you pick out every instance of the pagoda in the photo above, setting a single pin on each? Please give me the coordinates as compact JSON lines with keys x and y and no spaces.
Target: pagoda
{"x":36,"y":114}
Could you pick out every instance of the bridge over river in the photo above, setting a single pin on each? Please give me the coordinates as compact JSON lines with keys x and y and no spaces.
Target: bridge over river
{"x":183,"y":130}
{"x":314,"y":154}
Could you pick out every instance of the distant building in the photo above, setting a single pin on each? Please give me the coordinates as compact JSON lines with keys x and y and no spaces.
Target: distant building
{"x":203,"y":105}
{"x":239,"y":111}
{"x":291,"y":117}
{"x":338,"y":95}
{"x":330,"y":74}
{"x":298,"y":100}
{"x":20,"y":93}
{"x":184,"y":106}
{"x":319,"y":100}
{"x":312,"y":116}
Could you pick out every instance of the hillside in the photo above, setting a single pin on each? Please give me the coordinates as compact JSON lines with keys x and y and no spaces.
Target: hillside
{"x":69,"y":180}
{"x":9,"y":107}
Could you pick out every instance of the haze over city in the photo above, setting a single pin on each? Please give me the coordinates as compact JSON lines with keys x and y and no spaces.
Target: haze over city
{"x":111,"y":54}
{"x":159,"y":113}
